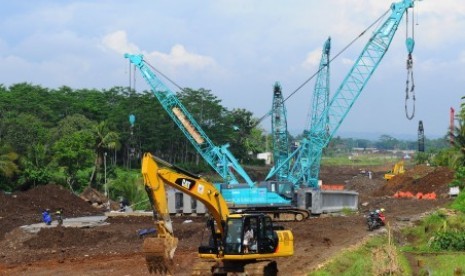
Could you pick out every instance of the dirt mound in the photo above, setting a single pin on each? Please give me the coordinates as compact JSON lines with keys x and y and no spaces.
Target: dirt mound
{"x":97,"y":199}
{"x":26,"y":207}
{"x":419,"y":179}
{"x":60,"y":237}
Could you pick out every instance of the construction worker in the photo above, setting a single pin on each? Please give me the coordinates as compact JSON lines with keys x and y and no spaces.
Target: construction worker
{"x":46,"y":217}
{"x":248,"y":238}
{"x":124,"y":205}
{"x":380,"y":213}
{"x":59,"y":216}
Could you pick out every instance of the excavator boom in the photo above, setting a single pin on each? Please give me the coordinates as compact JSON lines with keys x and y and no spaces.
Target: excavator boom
{"x":159,"y":250}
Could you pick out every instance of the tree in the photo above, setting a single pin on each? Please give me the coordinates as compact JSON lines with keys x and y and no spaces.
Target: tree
{"x":458,"y":135}
{"x":8,"y":166}
{"x":241,"y":123}
{"x":255,"y":143}
{"x":387,"y":142}
{"x":23,"y":130}
{"x":69,"y":125}
{"x":74,"y":152}
{"x":36,"y":169}
{"x":105,"y":139}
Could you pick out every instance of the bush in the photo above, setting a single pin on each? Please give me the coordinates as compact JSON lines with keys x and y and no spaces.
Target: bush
{"x":449,"y":240}
{"x":459,"y":178}
{"x":459,"y":202}
{"x":128,"y":184}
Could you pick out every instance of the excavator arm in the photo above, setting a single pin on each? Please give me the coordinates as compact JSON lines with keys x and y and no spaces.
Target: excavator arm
{"x":159,"y":250}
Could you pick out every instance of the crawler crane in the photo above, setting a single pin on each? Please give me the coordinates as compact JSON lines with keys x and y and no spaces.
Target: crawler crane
{"x":331,"y":117}
{"x":274,"y":198}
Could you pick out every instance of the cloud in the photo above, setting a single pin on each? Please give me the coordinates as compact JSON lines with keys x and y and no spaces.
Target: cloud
{"x":462,"y":57}
{"x":312,"y":59}
{"x":348,"y":61}
{"x":177,"y":57}
{"x":118,"y":42}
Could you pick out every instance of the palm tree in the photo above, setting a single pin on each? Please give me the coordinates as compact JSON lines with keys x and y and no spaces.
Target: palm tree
{"x":8,"y":158}
{"x":105,"y":139}
{"x":458,"y":141}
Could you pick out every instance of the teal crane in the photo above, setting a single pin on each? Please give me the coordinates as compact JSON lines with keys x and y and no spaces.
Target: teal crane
{"x":346,"y":95}
{"x":279,"y":132}
{"x":279,"y":121}
{"x":303,"y":164}
{"x":269,"y":197}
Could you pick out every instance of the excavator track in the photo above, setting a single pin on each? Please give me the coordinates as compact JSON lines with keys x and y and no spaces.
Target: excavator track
{"x":261,"y":268}
{"x":202,"y":268}
{"x":237,"y":268}
{"x":158,"y":255}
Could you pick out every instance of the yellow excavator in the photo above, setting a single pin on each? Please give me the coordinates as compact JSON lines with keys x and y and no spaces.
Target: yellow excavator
{"x":397,"y":169}
{"x":239,"y":243}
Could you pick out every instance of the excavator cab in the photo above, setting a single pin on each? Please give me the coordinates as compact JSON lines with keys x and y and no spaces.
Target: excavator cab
{"x":249,"y":234}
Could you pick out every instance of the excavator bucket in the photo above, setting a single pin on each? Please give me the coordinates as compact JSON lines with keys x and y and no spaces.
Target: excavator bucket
{"x":159,"y":254}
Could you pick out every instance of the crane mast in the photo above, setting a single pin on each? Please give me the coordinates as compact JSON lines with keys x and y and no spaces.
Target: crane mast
{"x":300,"y":157}
{"x":279,"y":132}
{"x":353,"y":84}
{"x":421,"y":137}
{"x":218,"y":157}
{"x":316,"y":131}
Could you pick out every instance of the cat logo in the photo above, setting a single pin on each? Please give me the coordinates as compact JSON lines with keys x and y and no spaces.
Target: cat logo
{"x":185,"y":183}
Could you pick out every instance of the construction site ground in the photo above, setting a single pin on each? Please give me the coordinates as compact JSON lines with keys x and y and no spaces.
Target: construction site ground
{"x":115,"y":247}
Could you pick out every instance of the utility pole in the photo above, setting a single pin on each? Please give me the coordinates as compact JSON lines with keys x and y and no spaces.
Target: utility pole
{"x":107,"y":195}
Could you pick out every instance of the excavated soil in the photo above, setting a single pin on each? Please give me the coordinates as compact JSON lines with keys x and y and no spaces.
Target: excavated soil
{"x":115,"y":248}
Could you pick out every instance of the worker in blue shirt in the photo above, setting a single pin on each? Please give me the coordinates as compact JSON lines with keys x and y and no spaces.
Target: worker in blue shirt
{"x":46,"y":217}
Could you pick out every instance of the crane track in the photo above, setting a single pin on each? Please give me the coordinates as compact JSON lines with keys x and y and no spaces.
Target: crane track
{"x":288,"y":214}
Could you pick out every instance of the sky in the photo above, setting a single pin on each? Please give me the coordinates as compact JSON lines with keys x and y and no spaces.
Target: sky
{"x":238,"y":49}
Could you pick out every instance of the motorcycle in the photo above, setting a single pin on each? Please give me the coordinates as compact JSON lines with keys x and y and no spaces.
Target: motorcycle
{"x":375,"y":220}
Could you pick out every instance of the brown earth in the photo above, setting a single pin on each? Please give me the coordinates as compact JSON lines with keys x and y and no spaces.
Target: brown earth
{"x":115,"y":248}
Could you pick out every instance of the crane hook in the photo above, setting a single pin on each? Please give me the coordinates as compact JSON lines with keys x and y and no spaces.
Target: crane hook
{"x":410,"y":87}
{"x":410,"y":83}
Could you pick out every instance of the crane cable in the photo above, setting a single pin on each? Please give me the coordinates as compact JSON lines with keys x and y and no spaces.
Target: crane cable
{"x":410,"y":82}
{"x":337,"y":55}
{"x":318,"y":71}
{"x":165,"y":76}
{"x":132,"y":76}
{"x":133,"y":86}
{"x":306,"y":81}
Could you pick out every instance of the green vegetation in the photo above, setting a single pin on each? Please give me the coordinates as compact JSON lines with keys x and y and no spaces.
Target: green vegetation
{"x":435,"y":245}
{"x":71,"y":137}
{"x":370,"y":258}
{"x":459,"y":202}
{"x":438,"y":242}
{"x":441,"y":264}
{"x":128,"y":184}
{"x":366,"y":160}
{"x":359,"y":161}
